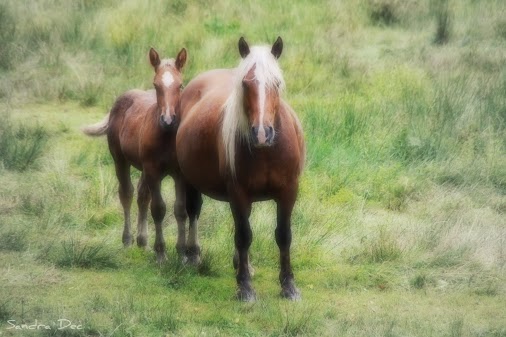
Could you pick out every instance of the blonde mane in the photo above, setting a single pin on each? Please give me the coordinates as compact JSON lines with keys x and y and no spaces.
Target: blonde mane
{"x":235,"y":126}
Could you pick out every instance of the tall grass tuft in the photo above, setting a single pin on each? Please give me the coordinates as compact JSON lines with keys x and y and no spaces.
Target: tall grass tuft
{"x":383,"y":12}
{"x":14,"y":240}
{"x":378,"y":249}
{"x":20,"y":145}
{"x":442,"y":14}
{"x":7,"y":30}
{"x":77,"y":254}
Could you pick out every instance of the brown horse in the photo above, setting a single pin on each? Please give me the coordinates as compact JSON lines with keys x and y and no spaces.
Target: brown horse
{"x":141,"y":129}
{"x":238,"y":141}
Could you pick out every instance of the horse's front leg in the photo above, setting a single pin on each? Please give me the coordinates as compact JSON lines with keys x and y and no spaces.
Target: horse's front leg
{"x":284,"y":240}
{"x":240,"y":206}
{"x":154,"y":181}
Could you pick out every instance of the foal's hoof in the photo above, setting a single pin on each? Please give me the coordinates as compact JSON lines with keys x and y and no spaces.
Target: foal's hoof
{"x":246,"y":294}
{"x":291,"y":293}
{"x":192,"y":256}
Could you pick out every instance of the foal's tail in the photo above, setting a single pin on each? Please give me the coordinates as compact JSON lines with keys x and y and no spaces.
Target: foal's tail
{"x":97,"y":129}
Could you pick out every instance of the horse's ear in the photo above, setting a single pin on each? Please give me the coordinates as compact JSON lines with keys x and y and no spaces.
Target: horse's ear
{"x":243,"y":47}
{"x":181,"y":59}
{"x":277,"y":47}
{"x":154,"y":58}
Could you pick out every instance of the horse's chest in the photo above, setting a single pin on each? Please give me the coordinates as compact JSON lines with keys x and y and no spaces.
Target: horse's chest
{"x":264,"y":174}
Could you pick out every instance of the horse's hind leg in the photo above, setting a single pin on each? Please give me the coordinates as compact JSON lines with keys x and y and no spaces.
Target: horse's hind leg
{"x":181,"y":216}
{"x":143,"y":199}
{"x":158,"y":209}
{"x":193,"y":207}
{"x":284,"y":239}
{"x":125,"y":191}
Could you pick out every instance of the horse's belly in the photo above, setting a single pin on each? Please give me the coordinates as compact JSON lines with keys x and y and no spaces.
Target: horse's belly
{"x":199,"y":162}
{"x":204,"y":177}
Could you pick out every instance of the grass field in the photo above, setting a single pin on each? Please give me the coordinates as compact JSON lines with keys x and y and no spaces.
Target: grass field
{"x":400,"y":225}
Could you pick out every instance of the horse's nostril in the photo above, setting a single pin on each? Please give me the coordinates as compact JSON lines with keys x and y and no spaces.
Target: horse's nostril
{"x":269,"y":133}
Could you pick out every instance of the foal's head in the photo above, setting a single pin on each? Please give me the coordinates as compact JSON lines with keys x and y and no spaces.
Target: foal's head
{"x":261,"y":85}
{"x":168,"y":83}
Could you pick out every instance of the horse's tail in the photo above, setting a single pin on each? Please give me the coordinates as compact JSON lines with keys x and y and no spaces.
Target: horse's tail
{"x":97,"y":129}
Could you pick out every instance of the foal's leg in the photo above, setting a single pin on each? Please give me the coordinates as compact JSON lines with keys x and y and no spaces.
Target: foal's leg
{"x":154,"y":181}
{"x":240,"y":206}
{"x":143,"y":199}
{"x":193,"y":207}
{"x":181,"y":216}
{"x":125,"y":191}
{"x":284,"y":239}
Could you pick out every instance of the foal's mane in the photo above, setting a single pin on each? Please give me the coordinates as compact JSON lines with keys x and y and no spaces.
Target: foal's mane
{"x":235,"y":127}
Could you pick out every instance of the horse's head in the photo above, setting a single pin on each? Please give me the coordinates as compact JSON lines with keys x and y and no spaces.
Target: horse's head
{"x":168,"y":83}
{"x":261,"y":89}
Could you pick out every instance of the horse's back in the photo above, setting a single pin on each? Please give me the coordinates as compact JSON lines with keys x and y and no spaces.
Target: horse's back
{"x":210,"y":85}
{"x":126,"y":120}
{"x":198,"y":139}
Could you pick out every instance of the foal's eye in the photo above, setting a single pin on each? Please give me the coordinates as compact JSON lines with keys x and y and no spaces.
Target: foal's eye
{"x":181,"y":87}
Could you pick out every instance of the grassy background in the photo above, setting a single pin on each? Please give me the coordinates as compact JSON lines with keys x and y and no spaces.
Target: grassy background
{"x":400,"y":227}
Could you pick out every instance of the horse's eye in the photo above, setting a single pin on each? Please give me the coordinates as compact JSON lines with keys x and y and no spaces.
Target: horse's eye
{"x":181,"y":87}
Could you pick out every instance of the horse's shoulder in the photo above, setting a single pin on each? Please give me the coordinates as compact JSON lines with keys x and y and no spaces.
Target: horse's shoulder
{"x":290,"y":115}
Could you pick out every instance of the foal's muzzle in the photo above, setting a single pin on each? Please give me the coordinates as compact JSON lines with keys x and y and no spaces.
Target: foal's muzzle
{"x":168,"y":124}
{"x":262,"y":136}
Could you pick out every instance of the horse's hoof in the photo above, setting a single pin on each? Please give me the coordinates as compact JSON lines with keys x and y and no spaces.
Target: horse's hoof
{"x":191,"y":260}
{"x":246,"y":294}
{"x":142,"y":242}
{"x":127,"y":241}
{"x":291,"y":293}
{"x":193,"y":256}
{"x":161,"y":258}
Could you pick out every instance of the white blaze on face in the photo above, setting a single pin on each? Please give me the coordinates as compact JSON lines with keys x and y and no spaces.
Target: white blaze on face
{"x":261,"y":98}
{"x":167,"y":79}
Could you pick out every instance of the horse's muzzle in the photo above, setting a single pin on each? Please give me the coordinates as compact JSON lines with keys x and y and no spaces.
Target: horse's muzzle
{"x":263,"y":136}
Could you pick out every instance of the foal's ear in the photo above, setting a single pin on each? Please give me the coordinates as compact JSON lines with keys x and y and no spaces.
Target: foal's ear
{"x":181,"y":59}
{"x":243,"y":47}
{"x":277,"y":47}
{"x":154,"y":58}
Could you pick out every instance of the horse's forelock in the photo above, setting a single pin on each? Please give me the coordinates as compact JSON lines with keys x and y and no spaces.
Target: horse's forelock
{"x":168,"y":63}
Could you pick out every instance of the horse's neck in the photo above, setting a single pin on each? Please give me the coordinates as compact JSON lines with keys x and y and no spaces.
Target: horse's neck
{"x":151,"y":118}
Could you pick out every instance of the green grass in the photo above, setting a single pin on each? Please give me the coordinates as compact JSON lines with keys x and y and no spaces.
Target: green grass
{"x":399,"y":229}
